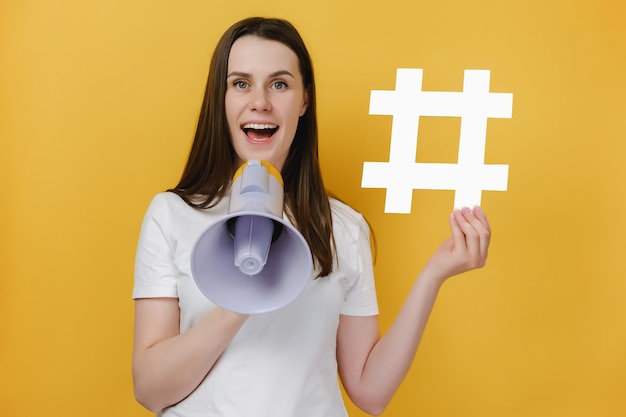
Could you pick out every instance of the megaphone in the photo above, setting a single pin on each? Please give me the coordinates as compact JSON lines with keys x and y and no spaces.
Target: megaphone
{"x":252,"y":261}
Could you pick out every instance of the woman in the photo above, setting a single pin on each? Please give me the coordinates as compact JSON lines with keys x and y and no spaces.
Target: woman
{"x":192,"y":358}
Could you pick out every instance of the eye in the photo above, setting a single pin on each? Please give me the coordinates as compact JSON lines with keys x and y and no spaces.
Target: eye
{"x":279,"y":85}
{"x":240,"y":84}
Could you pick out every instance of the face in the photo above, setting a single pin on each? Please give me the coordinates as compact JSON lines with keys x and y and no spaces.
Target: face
{"x":265,"y":98}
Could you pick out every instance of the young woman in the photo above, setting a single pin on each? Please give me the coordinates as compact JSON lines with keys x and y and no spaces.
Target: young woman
{"x":193,"y":358}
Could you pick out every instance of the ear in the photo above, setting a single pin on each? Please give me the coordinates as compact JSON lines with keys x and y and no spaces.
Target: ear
{"x":305,"y":102}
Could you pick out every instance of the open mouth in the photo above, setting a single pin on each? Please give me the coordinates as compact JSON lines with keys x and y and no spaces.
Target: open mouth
{"x":257,"y":132}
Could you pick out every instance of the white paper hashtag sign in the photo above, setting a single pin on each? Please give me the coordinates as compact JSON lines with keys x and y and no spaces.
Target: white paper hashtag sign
{"x":470,"y":175}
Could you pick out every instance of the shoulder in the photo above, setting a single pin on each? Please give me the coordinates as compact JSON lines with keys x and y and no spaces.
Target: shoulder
{"x":168,"y":203}
{"x":168,"y":210}
{"x":166,"y":200}
{"x":174,"y":223}
{"x":347,"y":222}
{"x":343,"y":211}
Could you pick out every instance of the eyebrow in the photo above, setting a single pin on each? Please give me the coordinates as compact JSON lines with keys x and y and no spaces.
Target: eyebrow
{"x":272,"y":75}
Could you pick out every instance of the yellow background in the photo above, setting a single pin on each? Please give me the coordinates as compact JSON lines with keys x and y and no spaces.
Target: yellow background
{"x":98,"y":102}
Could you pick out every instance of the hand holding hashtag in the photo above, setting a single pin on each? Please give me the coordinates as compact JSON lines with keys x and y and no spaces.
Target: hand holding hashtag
{"x":466,"y":248}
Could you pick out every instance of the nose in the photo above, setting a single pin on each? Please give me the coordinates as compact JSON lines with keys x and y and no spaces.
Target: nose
{"x":260,"y":100}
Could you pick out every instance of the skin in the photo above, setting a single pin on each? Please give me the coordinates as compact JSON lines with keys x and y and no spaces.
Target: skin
{"x":265,"y":88}
{"x":372,"y":367}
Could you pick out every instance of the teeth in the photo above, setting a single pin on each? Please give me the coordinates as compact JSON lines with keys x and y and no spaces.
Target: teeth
{"x":258,"y":126}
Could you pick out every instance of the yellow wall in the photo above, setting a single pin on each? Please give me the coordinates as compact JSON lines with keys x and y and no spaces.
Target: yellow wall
{"x":98,"y":102}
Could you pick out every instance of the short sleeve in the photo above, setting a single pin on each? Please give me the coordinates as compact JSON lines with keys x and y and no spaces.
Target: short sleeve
{"x":155,"y":271}
{"x":354,"y":261}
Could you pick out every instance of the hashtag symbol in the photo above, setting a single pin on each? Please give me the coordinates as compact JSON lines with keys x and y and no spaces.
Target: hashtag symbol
{"x":470,"y":175}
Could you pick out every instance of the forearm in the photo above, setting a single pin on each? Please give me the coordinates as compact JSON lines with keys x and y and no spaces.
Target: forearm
{"x":372,"y":367}
{"x":391,"y":357}
{"x":168,"y":371}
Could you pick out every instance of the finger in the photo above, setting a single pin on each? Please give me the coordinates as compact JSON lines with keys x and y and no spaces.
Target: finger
{"x":482,"y":217}
{"x":483,"y":229}
{"x":469,"y":235}
{"x":477,"y":218}
{"x":457,"y":233}
{"x":466,"y":220}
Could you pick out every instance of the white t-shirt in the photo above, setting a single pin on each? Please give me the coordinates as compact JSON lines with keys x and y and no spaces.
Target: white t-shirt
{"x":282,"y":363}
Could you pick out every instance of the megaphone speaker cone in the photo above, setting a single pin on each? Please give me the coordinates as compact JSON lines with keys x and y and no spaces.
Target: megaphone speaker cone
{"x":287,"y":270}
{"x":260,"y":264}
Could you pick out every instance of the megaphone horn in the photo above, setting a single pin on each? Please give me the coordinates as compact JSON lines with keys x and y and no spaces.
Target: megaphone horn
{"x":252,"y":261}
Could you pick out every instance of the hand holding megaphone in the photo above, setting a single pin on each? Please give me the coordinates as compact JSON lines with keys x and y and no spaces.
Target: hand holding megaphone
{"x":252,"y":260}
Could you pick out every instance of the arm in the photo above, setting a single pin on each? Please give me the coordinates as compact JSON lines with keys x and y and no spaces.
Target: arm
{"x":168,"y":365}
{"x":371,"y":367}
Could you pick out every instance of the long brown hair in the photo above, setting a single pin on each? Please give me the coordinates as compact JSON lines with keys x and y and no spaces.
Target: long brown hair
{"x":213,"y":161}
